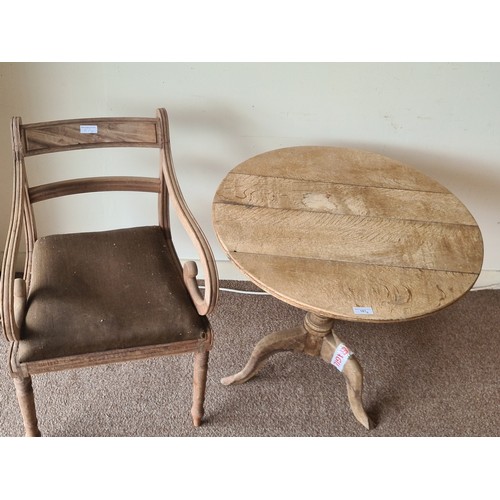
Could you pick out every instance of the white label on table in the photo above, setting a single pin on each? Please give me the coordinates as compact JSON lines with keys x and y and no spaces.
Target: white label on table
{"x":362,"y":310}
{"x":88,"y":129}
{"x":340,"y":356}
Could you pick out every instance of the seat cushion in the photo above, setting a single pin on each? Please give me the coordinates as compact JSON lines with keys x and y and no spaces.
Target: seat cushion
{"x":94,"y":292}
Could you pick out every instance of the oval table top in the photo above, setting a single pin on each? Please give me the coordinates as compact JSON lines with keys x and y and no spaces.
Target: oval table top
{"x":347,"y":234}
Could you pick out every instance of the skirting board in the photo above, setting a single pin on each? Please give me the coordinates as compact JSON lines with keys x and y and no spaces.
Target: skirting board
{"x":488,"y":279}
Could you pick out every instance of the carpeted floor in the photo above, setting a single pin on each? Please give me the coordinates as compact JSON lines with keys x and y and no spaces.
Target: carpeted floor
{"x":436,"y":376}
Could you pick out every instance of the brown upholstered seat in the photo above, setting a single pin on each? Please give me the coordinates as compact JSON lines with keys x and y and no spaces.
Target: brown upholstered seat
{"x":111,"y":297}
{"x":108,"y":296}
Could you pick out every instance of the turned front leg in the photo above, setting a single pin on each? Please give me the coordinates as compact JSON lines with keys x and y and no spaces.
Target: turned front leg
{"x":345,"y":362}
{"x":199,"y":386}
{"x":26,"y":400}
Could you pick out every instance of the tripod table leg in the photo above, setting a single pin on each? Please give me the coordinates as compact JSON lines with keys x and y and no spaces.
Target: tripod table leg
{"x":286,"y":340}
{"x":345,"y":361}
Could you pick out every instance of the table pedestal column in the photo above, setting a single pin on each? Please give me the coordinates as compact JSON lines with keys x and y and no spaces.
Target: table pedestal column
{"x":314,"y":337}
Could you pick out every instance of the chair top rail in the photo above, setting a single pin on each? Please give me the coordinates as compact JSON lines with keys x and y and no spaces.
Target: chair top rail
{"x":55,"y":136}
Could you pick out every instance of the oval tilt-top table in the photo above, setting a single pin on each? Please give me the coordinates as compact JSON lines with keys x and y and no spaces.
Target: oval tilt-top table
{"x":348,"y":235}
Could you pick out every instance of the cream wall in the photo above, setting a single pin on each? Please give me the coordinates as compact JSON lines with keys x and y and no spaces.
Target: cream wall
{"x":443,"y":118}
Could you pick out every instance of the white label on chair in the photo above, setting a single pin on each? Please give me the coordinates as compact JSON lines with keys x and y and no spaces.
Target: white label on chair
{"x":362,"y":310}
{"x":88,"y":129}
{"x":340,"y":356}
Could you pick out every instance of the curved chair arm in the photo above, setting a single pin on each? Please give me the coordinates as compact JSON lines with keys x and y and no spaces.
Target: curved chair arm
{"x":13,"y":292}
{"x":204,"y":303}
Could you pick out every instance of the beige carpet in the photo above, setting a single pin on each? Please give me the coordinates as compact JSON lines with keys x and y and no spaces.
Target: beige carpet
{"x":437,"y":376}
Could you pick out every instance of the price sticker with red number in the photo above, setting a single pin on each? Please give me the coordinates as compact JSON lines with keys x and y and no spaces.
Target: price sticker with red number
{"x":340,"y":356}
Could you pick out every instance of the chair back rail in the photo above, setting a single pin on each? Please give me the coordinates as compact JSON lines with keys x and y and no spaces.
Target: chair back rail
{"x":93,"y":184}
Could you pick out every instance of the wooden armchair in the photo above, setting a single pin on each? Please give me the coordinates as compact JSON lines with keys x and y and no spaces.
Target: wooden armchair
{"x":106,"y":296}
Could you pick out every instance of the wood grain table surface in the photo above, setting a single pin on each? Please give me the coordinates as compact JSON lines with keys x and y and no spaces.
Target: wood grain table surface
{"x":347,"y":234}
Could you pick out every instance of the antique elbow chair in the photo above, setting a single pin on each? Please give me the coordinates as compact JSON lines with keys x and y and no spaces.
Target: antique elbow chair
{"x":105,"y":296}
